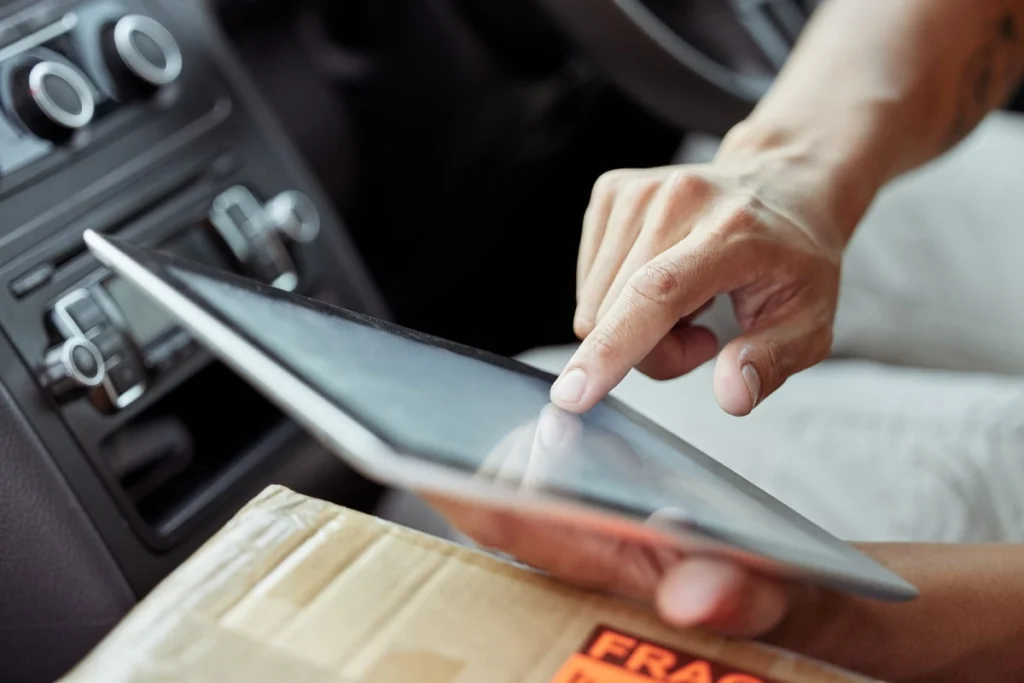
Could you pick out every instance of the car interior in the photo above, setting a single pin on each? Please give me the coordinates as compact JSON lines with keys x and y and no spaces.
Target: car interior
{"x":423,"y":161}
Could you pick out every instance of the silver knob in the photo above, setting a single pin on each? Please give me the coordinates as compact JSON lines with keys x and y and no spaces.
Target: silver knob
{"x":72,"y":368}
{"x":142,"y":54}
{"x":53,"y":100}
{"x":295,"y":216}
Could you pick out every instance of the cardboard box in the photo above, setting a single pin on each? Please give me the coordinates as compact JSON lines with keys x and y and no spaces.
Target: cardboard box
{"x":301,"y":591}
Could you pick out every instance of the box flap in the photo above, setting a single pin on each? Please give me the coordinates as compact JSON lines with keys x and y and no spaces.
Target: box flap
{"x":299,"y":590}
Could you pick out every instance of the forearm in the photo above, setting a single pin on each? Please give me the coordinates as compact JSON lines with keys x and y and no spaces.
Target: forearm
{"x":967,"y":624}
{"x":878,"y":87}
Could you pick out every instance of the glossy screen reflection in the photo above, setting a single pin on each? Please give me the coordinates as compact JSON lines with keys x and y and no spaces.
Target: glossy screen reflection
{"x":494,"y":422}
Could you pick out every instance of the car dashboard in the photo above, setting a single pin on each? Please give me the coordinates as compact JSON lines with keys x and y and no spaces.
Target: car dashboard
{"x":125,"y":444}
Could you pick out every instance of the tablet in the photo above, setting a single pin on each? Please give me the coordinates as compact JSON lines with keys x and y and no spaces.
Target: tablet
{"x":440,"y":419}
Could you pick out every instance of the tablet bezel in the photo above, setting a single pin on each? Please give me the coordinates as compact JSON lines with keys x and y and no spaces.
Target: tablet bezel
{"x":372,"y":456}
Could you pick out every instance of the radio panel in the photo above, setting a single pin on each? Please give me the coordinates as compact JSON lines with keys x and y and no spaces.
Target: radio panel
{"x":111,"y":344}
{"x":72,"y":69}
{"x":134,"y":118}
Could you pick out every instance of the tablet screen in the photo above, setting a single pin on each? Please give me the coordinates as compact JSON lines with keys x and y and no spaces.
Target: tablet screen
{"x":490,"y":418}
{"x":451,"y":406}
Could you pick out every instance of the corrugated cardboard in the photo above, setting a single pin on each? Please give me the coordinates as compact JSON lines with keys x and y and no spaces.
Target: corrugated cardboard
{"x":301,"y":591}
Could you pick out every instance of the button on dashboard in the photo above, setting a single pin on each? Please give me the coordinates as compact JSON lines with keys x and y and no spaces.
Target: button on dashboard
{"x":85,"y":361}
{"x":124,"y":376}
{"x":71,"y":369}
{"x":110,"y":344}
{"x":77,"y":314}
{"x":246,"y":229}
{"x":86,"y":314}
{"x":32,"y":280}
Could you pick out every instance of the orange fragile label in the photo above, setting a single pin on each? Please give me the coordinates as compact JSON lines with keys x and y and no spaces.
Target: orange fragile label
{"x":611,"y":656}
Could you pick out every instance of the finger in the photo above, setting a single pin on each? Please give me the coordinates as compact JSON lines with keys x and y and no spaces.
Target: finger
{"x":669,"y":219}
{"x":684,"y":349}
{"x":509,"y":459}
{"x":753,"y":366}
{"x":555,"y":444}
{"x":624,"y":224}
{"x":595,"y":220}
{"x":487,"y":526}
{"x":582,"y":556}
{"x":667,"y":289}
{"x":722,"y":596}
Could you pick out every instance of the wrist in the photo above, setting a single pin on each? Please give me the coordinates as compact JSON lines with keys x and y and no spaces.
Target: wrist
{"x":965,"y":625}
{"x":825,"y":181}
{"x":838,"y":629}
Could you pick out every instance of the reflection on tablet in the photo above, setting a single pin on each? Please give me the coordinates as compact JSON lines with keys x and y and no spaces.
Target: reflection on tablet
{"x":449,"y":408}
{"x":446,"y":420}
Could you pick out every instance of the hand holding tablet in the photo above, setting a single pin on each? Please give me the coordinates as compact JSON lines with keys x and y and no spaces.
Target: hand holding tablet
{"x":606,"y":492}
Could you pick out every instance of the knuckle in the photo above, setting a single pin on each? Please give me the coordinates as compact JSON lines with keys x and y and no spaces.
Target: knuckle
{"x":656,"y":282}
{"x":740,"y":222}
{"x":602,"y":345}
{"x":638,"y":192}
{"x":687,"y":184}
{"x":607,"y":182}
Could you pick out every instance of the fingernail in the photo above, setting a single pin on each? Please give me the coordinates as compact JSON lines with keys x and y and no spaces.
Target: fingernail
{"x":753,"y":382}
{"x":569,"y":388}
{"x":551,"y":432}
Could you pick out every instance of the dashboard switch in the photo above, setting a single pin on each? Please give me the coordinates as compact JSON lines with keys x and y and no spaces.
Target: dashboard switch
{"x":86,"y":314}
{"x":78,"y":315}
{"x":251,"y":235}
{"x":72,"y":369}
{"x":295,"y":216}
{"x":124,"y":377}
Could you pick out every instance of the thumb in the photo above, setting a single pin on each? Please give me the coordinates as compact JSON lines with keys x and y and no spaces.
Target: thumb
{"x":751,"y":367}
{"x":723,"y":597}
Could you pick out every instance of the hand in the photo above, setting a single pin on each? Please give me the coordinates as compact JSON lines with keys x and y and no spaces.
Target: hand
{"x":686,"y":591}
{"x":549,"y":453}
{"x":894,"y":642}
{"x":659,"y":245}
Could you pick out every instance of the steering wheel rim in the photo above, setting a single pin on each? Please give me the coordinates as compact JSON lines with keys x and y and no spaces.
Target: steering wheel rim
{"x":656,"y":66}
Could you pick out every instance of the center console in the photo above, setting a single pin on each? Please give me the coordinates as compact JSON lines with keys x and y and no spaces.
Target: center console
{"x":132,"y":118}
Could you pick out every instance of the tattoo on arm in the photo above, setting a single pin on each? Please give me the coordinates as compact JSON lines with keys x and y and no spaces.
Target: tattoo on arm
{"x":989,"y":75}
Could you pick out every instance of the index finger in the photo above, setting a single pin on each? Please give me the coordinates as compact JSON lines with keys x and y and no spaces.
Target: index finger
{"x":670,"y":287}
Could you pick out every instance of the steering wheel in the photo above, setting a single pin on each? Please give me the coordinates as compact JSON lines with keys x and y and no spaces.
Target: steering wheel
{"x":697,"y":64}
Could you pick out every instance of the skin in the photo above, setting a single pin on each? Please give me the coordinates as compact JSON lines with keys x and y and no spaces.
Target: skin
{"x":766,"y":223}
{"x":966,"y":625}
{"x":768,"y":220}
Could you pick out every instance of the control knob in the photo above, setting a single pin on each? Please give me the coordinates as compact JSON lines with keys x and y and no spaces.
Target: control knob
{"x":141,"y":55}
{"x":295,"y":216}
{"x":71,"y":369}
{"x":52,"y":99}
